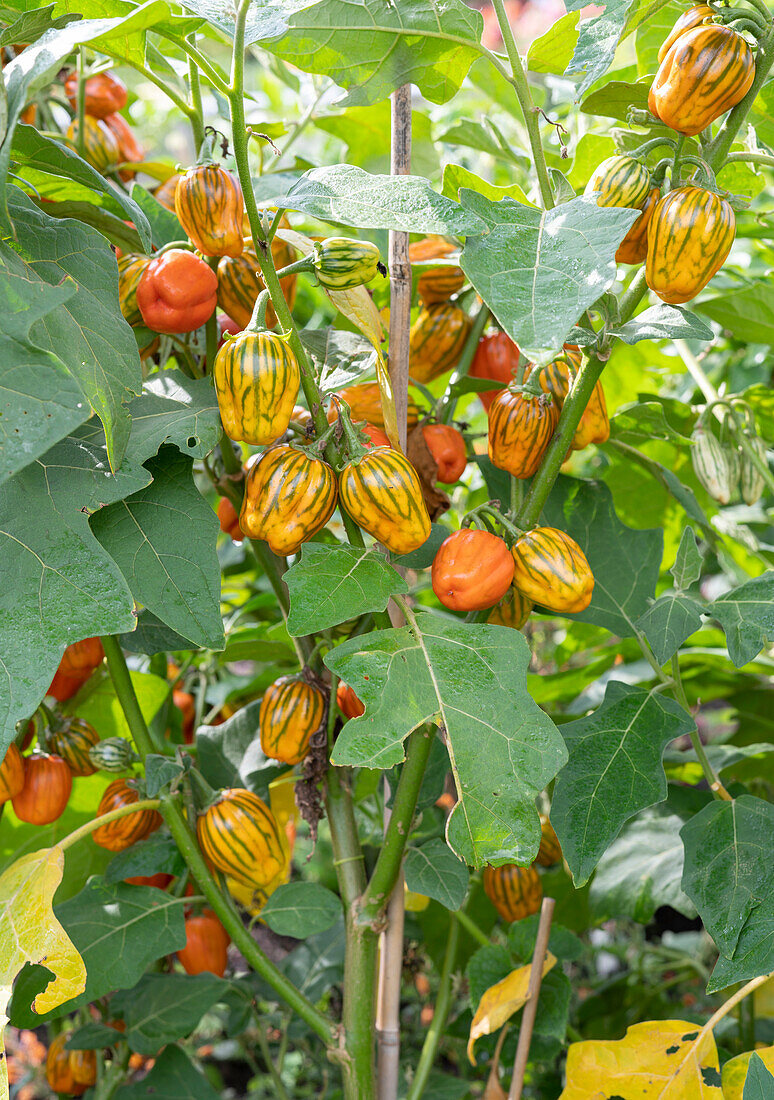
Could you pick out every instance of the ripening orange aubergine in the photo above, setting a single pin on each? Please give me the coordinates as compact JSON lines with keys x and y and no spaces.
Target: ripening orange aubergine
{"x":11,"y":773}
{"x":550,"y":851}
{"x":699,"y":13}
{"x":689,"y":237}
{"x":206,"y":945}
{"x":48,"y":783}
{"x":104,"y":94}
{"x":471,"y":570}
{"x":520,"y":429}
{"x":240,"y":836}
{"x":620,"y":181}
{"x":69,"y":1072}
{"x":551,"y":570}
{"x":383,"y":495}
{"x":257,"y":379}
{"x":348,"y":702}
{"x":516,"y":892}
{"x":365,"y":403}
{"x":124,"y":831}
{"x":634,"y":247}
{"x":436,"y":340}
{"x":208,"y":204}
{"x":289,"y":497}
{"x":292,"y":710}
{"x":497,"y":359}
{"x":512,"y":611}
{"x":447,"y":446}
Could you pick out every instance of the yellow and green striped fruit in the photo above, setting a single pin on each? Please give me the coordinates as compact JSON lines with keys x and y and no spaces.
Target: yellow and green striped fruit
{"x":114,"y":754}
{"x":73,"y":743}
{"x":100,"y":147}
{"x":752,"y":481}
{"x":634,"y":247}
{"x":365,"y":403}
{"x":711,"y":465}
{"x":552,"y":570}
{"x":288,"y":497}
{"x":699,"y":13}
{"x":436,"y":340}
{"x":208,"y":204}
{"x":124,"y":831}
{"x":621,"y":181}
{"x":520,"y":429}
{"x":240,"y":283}
{"x":343,"y":264}
{"x":383,"y":495}
{"x":689,"y":237}
{"x":292,"y":711}
{"x":550,"y":850}
{"x":516,"y":892}
{"x":436,"y":284}
{"x":513,"y":610}
{"x":240,"y":836}
{"x":256,"y":380}
{"x":131,"y":267}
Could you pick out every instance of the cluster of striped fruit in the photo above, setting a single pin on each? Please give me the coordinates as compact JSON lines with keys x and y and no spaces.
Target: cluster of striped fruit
{"x":684,"y":237}
{"x":108,"y":141}
{"x":441,"y":328}
{"x":516,"y":892}
{"x":721,"y":466}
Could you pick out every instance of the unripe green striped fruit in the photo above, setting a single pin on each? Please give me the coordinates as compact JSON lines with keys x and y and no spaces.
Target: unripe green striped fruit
{"x":343,"y":264}
{"x":710,"y":464}
{"x":752,"y":480}
{"x":114,"y":754}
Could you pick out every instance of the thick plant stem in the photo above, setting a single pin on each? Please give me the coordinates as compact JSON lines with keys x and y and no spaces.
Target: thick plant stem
{"x":197,"y":112}
{"x":519,"y":82}
{"x":442,"y":1005}
{"x":358,"y":1014}
{"x":388,"y":864}
{"x":189,"y":849}
{"x":715,"y":154}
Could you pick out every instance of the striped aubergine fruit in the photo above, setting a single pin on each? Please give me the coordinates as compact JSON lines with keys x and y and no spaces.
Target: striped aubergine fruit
{"x":100,"y":147}
{"x":436,"y":284}
{"x":752,"y":480}
{"x":48,"y":784}
{"x":364,"y":400}
{"x":383,"y":495}
{"x":72,"y":742}
{"x":165,"y":192}
{"x":557,"y":376}
{"x":552,"y":570}
{"x":711,"y":466}
{"x":594,"y":426}
{"x":257,"y":378}
{"x":240,"y":836}
{"x":513,"y":610}
{"x":634,"y":247}
{"x":550,"y":850}
{"x":516,"y":892}
{"x":114,"y":754}
{"x":131,"y":267}
{"x":11,"y":773}
{"x":208,"y":204}
{"x":689,"y":237}
{"x":342,"y":263}
{"x":621,"y":181}
{"x":288,"y":497}
{"x":292,"y":711}
{"x":104,"y":94}
{"x":240,"y":283}
{"x":436,"y":340}
{"x":705,"y":72}
{"x":699,"y":13}
{"x":520,"y":429}
{"x":128,"y":830}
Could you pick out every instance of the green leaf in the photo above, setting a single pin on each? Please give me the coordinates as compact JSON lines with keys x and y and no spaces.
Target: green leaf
{"x":31,"y":25}
{"x":365,"y":132}
{"x":101,"y":707}
{"x":164,"y":226}
{"x":318,"y":963}
{"x":174,"y":409}
{"x":152,"y":636}
{"x":155,"y":855}
{"x":728,"y":865}
{"x":230,"y":755}
{"x":33,"y":150}
{"x":625,"y":562}
{"x":522,"y":936}
{"x":265,"y":18}
{"x":553,"y":51}
{"x":93,"y":1037}
{"x":371,"y":48}
{"x":688,"y":562}
{"x":160,"y":772}
{"x":747,"y":314}
{"x":347,"y":195}
{"x":663,"y":322}
{"x":501,"y":755}
{"x":301,"y":909}
{"x":163,"y":540}
{"x":435,"y":871}
{"x":42,"y":402}
{"x":90,"y":335}
{"x":759,"y":1083}
{"x":456,"y":177}
{"x":539,"y":271}
{"x":614,"y":771}
{"x":668,"y":622}
{"x":747,"y":617}
{"x":173,"y":1077}
{"x":486,"y":967}
{"x":484,"y":137}
{"x":641,"y":870}
{"x":163,"y":1007}
{"x":644,"y":421}
{"x":590,"y":151}
{"x":615,"y":98}
{"x":597,"y":41}
{"x":330,"y":584}
{"x":754,"y":954}
{"x":422,"y":557}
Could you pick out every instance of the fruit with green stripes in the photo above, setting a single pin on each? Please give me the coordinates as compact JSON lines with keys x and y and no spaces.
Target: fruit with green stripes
{"x":100,"y":147}
{"x":289,"y":496}
{"x":551,"y":570}
{"x":711,"y":465}
{"x":436,"y":340}
{"x":699,"y":13}
{"x":131,"y":268}
{"x":240,"y":836}
{"x":516,"y":892}
{"x":365,"y":403}
{"x":383,"y":495}
{"x":520,"y":429}
{"x":292,"y":711}
{"x":124,"y":831}
{"x":240,"y":283}
{"x":73,"y":741}
{"x":114,"y":754}
{"x":513,"y":610}
{"x":620,"y":181}
{"x":208,"y":204}
{"x":256,"y":381}
{"x":343,"y":264}
{"x":550,"y":850}
{"x":436,"y":284}
{"x":752,"y":480}
{"x":689,"y":238}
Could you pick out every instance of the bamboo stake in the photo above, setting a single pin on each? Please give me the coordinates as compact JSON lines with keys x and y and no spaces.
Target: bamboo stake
{"x":400,"y":268}
{"x":388,"y":1002}
{"x":533,"y":993}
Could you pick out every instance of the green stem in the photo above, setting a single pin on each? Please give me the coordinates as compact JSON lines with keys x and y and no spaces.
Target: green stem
{"x":105,"y":819}
{"x":713,"y":780}
{"x":280,"y":1090}
{"x":171,"y":94}
{"x":189,"y":849}
{"x":196,"y":57}
{"x":519,"y":81}
{"x":80,"y":137}
{"x":718,"y":149}
{"x":753,"y":158}
{"x":196,"y":117}
{"x":388,"y":863}
{"x":442,"y":1005}
{"x":211,"y":328}
{"x":472,"y":928}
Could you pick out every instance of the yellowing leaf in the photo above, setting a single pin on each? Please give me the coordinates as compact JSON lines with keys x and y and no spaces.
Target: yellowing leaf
{"x":500,"y":1002}
{"x":735,"y":1071}
{"x":31,"y":933}
{"x":656,"y":1060}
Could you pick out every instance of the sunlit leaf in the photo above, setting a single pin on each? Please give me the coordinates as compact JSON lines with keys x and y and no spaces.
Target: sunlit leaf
{"x":500,"y":1002}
